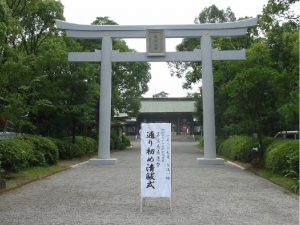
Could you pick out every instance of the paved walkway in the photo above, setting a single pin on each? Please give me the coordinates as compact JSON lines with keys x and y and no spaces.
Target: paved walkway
{"x":110,"y":195}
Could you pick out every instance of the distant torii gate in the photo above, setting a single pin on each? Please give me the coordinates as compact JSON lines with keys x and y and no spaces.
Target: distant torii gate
{"x":156,"y":35}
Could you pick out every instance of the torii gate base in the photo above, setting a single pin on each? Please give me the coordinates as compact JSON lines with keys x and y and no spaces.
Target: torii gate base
{"x":156,"y":35}
{"x":103,"y":161}
{"x":216,"y":161}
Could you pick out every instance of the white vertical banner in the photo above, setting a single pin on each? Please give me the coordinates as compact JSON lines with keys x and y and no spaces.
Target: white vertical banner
{"x":156,"y":160}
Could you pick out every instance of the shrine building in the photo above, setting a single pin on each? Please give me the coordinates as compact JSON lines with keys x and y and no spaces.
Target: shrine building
{"x":180,"y":112}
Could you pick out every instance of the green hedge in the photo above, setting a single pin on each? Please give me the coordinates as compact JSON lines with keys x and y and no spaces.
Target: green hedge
{"x":201,"y":142}
{"x":282,"y":156}
{"x":218,"y":142}
{"x":237,"y":148}
{"x":45,"y":150}
{"x":27,"y":151}
{"x":15,"y":154}
{"x":125,"y":140}
{"x":83,"y":146}
{"x":32,"y":150}
{"x":118,"y":142}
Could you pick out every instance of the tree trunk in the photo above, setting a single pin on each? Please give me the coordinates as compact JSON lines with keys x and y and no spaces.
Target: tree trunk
{"x":73,"y":131}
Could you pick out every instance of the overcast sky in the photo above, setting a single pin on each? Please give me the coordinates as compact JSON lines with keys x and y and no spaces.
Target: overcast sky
{"x":155,"y":12}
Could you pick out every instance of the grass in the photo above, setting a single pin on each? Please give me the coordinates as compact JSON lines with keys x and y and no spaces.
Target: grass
{"x":286,"y":182}
{"x":289,"y":183}
{"x":28,"y":175}
{"x":283,"y":181}
{"x":15,"y":180}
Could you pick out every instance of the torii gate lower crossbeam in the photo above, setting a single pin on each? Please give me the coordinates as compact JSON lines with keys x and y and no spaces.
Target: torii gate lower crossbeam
{"x":106,"y":56}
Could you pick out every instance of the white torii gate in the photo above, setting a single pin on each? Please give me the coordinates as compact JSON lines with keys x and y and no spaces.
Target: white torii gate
{"x":156,"y":35}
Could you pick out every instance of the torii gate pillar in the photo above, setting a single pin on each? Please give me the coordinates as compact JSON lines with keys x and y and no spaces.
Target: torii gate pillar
{"x":209,"y":132}
{"x":105,"y":105}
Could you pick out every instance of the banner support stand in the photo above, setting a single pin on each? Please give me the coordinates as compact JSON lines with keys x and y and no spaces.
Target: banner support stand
{"x":142,"y":204}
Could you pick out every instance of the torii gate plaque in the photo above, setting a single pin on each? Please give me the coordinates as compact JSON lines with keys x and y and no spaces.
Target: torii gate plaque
{"x":156,"y":54}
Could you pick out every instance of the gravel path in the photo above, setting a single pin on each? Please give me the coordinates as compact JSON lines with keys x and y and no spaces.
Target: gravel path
{"x":110,"y":195}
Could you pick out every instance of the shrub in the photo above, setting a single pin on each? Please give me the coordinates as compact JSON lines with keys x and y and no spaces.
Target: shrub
{"x":1,"y":173}
{"x":282,"y":156}
{"x":219,"y":141}
{"x":1,"y":169}
{"x":45,"y":150}
{"x":83,"y":146}
{"x":15,"y":154}
{"x":88,"y":144}
{"x":266,"y":141}
{"x":201,"y":142}
{"x":115,"y":141}
{"x":237,"y":148}
{"x":72,"y":150}
{"x":64,"y":148}
{"x":118,"y":142}
{"x":125,"y":140}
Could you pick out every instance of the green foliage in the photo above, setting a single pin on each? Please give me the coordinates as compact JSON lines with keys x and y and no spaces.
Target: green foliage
{"x":219,"y":141}
{"x":31,"y":174}
{"x":1,"y":172}
{"x":212,"y":14}
{"x":237,"y":148}
{"x":37,"y":18}
{"x":267,"y":141}
{"x":201,"y":142}
{"x":161,"y":94}
{"x":27,"y":151}
{"x":118,"y":142}
{"x":45,"y":150}
{"x":46,"y":94}
{"x":115,"y":141}
{"x":282,"y":157}
{"x":277,"y":178}
{"x":125,"y":140}
{"x":104,"y":21}
{"x":276,"y":11}
{"x":16,"y":154}
{"x":83,"y":146}
{"x":289,"y":111}
{"x":261,"y":94}
{"x":244,"y":90}
{"x":4,"y":17}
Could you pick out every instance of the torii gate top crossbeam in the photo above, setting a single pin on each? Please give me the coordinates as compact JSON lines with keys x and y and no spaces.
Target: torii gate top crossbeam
{"x":171,"y":31}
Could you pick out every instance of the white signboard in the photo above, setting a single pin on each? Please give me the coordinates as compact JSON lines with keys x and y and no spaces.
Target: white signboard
{"x":156,"y":43}
{"x":156,"y":160}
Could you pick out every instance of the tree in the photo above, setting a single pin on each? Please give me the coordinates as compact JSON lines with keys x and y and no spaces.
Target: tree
{"x":213,"y":14}
{"x":47,"y":94}
{"x":287,"y":84}
{"x":280,"y":24}
{"x":4,"y":23}
{"x":224,"y":71}
{"x":129,"y":80}
{"x":247,"y":114}
{"x":28,"y":24}
{"x":270,"y":74}
{"x":192,"y":70}
{"x":276,"y":12}
{"x":161,"y":94}
{"x":37,"y":19}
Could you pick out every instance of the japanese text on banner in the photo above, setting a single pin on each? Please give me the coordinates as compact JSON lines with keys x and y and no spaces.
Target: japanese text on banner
{"x":156,"y":160}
